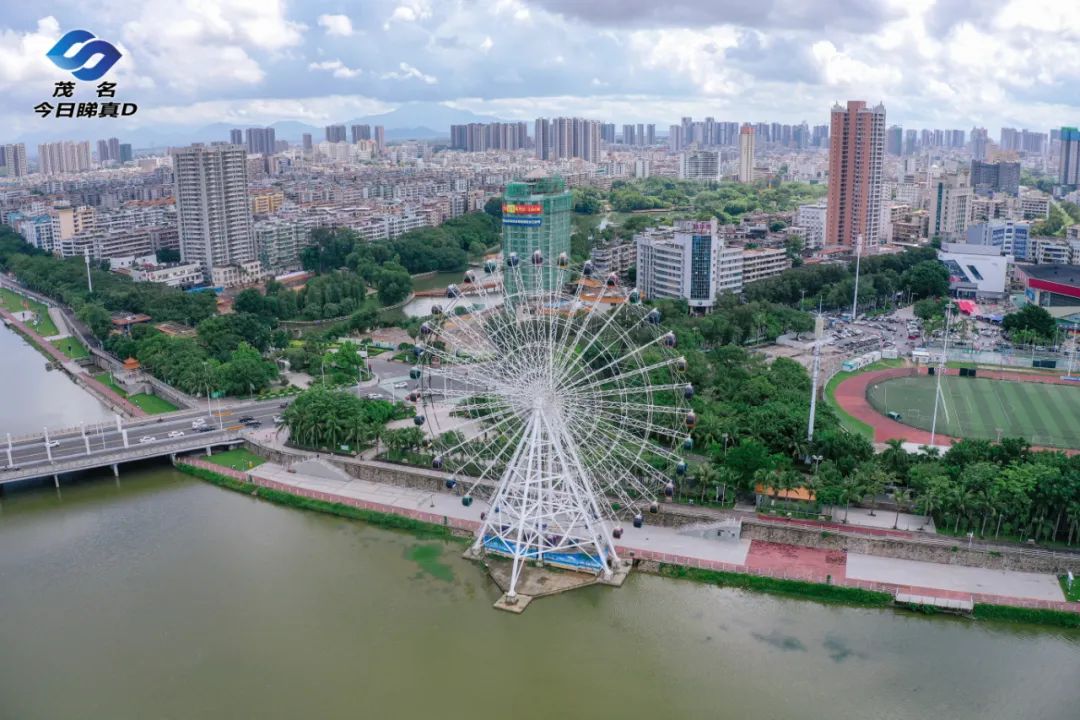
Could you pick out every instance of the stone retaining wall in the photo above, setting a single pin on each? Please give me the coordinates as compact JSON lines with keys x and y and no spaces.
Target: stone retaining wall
{"x":948,"y":554}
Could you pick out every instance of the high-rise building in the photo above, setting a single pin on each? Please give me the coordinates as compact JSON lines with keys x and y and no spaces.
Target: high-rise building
{"x":261,"y":141}
{"x":999,"y":176}
{"x":812,"y":219}
{"x":1010,"y":139}
{"x":360,"y":132}
{"x":628,"y":135}
{"x":126,"y":155}
{"x":675,"y":138}
{"x":910,"y":136}
{"x":680,"y":262}
{"x":639,"y":134}
{"x":335,"y":133}
{"x":103,"y":151}
{"x":746,"y":153}
{"x":236,"y":136}
{"x":856,"y":155}
{"x":894,"y":140}
{"x":542,"y":138}
{"x":306,"y":143}
{"x":212,"y":206}
{"x":563,"y":137}
{"x":979,"y":142}
{"x":536,"y":217}
{"x":650,"y":134}
{"x":1069,"y":157}
{"x":950,"y":206}
{"x":607,"y":133}
{"x":699,"y":165}
{"x":114,"y":149}
{"x":13,"y":160}
{"x":380,"y":138}
{"x":64,"y":157}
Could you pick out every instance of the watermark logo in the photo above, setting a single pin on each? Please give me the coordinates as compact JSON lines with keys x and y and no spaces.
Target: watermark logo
{"x":77,"y":63}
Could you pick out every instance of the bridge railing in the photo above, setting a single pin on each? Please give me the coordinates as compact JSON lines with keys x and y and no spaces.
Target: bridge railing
{"x":138,"y":451}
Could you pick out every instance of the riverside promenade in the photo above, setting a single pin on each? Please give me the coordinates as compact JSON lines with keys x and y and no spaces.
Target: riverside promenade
{"x":699,"y":547}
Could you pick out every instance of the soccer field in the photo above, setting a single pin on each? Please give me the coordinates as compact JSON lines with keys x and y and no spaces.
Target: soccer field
{"x":1043,"y":414}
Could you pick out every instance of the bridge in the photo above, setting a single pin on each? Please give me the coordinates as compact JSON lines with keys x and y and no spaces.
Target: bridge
{"x":111,"y":444}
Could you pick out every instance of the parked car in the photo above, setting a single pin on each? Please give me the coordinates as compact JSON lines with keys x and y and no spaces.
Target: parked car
{"x":52,"y":443}
{"x":176,"y":433}
{"x":147,"y":439}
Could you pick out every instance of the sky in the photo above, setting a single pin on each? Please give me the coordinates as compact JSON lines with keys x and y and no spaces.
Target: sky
{"x":948,"y":64}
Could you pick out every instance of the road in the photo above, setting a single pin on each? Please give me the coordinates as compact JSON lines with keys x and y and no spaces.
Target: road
{"x":103,"y":438}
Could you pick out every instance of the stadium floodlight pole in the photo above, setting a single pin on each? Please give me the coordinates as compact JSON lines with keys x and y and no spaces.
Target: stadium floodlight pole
{"x":855,"y":295}
{"x":818,"y":327}
{"x":940,"y":372}
{"x":89,"y":282}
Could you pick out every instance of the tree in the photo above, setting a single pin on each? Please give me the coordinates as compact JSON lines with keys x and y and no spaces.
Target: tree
{"x":930,"y":309}
{"x":927,"y":279}
{"x":245,"y":372}
{"x":168,"y":255}
{"x":393,"y":283}
{"x":1033,"y":319}
{"x":493,"y":207}
{"x":95,"y":317}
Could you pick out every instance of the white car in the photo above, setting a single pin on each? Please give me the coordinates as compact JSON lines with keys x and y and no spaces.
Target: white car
{"x":197,"y":423}
{"x":278,"y":419}
{"x":400,"y":385}
{"x":374,"y":396}
{"x":147,"y":439}
{"x":52,"y":443}
{"x":176,"y":433}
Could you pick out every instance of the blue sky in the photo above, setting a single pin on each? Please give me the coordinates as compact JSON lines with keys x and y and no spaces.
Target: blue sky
{"x":934,"y":64}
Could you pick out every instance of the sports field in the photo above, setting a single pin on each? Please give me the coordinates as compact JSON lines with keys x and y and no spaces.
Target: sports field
{"x":1044,"y":414}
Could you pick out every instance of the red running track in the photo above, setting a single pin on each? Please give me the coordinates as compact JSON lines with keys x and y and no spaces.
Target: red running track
{"x":851,"y":396}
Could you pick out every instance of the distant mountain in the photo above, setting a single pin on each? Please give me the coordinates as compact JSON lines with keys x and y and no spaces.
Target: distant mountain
{"x":411,"y":121}
{"x":423,"y":116}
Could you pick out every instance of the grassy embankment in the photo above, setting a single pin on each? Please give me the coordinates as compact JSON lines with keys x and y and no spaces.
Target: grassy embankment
{"x":150,"y":404}
{"x":848,"y":422}
{"x":13,"y":302}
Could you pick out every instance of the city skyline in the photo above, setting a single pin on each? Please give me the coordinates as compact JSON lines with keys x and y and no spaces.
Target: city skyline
{"x":615,"y":62}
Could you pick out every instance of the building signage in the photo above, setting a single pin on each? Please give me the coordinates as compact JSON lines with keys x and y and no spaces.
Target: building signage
{"x":527,"y":221}
{"x":522,"y":209}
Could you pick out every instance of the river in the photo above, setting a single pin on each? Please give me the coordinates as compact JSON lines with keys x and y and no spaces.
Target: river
{"x":157,"y":595}
{"x":32,"y":397}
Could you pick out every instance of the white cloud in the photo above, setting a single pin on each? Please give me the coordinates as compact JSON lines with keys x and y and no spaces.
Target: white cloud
{"x":409,"y":12}
{"x":22,"y":55}
{"x":408,"y":72}
{"x":337,"y":68}
{"x":336,"y":25}
{"x":487,"y":44}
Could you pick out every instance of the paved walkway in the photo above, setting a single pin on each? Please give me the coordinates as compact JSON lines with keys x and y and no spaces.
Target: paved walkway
{"x":1036,"y":586}
{"x":696,"y":546}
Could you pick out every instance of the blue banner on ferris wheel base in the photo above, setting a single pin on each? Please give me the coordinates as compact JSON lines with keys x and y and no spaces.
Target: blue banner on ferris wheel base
{"x":573,"y":560}
{"x":527,"y":221}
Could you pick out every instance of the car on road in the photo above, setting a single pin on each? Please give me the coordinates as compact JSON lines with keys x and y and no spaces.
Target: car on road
{"x":278,"y":419}
{"x":246,"y":419}
{"x":284,"y":405}
{"x":52,"y":443}
{"x":147,"y":439}
{"x":374,"y":396}
{"x":11,"y":468}
{"x":176,"y":433}
{"x":254,"y":424}
{"x":198,"y":423}
{"x":204,"y":428}
{"x":400,"y":385}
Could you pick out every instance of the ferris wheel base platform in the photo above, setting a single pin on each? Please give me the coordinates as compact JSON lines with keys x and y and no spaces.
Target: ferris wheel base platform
{"x":536,"y":582}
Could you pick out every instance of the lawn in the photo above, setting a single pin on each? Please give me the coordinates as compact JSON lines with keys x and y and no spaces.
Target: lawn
{"x":849,"y":423}
{"x":981,"y":408}
{"x":237,"y":459}
{"x":1070,"y":595}
{"x":71,"y":347}
{"x":106,"y":379}
{"x":151,"y":404}
{"x":13,"y":302}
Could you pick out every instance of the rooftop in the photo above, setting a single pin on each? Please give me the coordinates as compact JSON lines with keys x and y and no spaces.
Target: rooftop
{"x":1058,"y":272}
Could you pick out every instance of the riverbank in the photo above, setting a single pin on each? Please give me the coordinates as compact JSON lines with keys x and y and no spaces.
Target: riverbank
{"x":99,"y":390}
{"x":664,"y":551}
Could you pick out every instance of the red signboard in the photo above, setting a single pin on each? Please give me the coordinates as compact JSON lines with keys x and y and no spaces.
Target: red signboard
{"x":523,"y":209}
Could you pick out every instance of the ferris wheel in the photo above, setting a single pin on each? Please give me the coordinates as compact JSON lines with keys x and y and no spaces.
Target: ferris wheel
{"x":556,"y":397}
